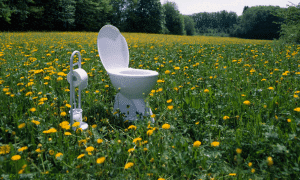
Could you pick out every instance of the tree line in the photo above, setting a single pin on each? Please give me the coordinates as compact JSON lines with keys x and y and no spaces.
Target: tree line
{"x":147,"y":16}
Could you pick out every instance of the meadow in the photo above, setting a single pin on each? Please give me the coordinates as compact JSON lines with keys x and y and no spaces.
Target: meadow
{"x":224,"y":108}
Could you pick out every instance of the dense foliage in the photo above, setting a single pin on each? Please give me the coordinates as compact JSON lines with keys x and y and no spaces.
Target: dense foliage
{"x":148,"y":16}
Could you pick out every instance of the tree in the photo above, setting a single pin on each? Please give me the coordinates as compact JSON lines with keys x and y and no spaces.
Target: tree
{"x":174,"y":21}
{"x":149,"y":16}
{"x":5,"y":11}
{"x":290,"y":26}
{"x":189,"y":25}
{"x":117,"y":15}
{"x":257,"y":23}
{"x":91,"y":15}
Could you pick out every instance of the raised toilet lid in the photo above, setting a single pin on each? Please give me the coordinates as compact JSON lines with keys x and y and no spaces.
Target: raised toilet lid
{"x":112,"y":48}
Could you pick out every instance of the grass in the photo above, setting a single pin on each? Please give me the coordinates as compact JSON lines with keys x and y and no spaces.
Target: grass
{"x":225,"y":108}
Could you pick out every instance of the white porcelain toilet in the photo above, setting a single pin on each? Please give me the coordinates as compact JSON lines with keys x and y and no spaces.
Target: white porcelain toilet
{"x":133,"y":84}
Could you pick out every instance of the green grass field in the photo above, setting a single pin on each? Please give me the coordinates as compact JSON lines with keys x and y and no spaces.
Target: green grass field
{"x":225,"y":108}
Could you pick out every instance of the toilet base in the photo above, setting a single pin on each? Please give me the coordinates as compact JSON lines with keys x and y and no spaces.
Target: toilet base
{"x":133,"y":109}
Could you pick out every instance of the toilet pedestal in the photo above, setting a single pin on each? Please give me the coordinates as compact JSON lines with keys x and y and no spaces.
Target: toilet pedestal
{"x":132,"y":108}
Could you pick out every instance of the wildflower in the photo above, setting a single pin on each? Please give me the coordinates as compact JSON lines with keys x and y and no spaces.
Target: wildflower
{"x":149,"y":132}
{"x":99,"y":141}
{"x":177,"y":68}
{"x":232,"y":174}
{"x":59,"y":78}
{"x":250,"y":164}
{"x":297,"y":109}
{"x":196,"y":144}
{"x":253,"y":170}
{"x":270,"y":88}
{"x":94,"y":125}
{"x":22,"y":149}
{"x":169,"y":101}
{"x":21,"y":171}
{"x":167,"y":72}
{"x":65,"y":125}
{"x":206,"y":91}
{"x":32,"y":109}
{"x":289,"y":120}
{"x":76,"y":124}
{"x":51,"y":152}
{"x":270,"y":161}
{"x":145,"y":149}
{"x":80,"y":156}
{"x":28,"y":94}
{"x":58,"y":155}
{"x":52,"y":130}
{"x":21,"y":126}
{"x":16,"y":157}
{"x":197,"y":123}
{"x":63,"y":113}
{"x":128,"y":165}
{"x":101,"y":160}
{"x":166,"y":126}
{"x":225,"y":117}
{"x":153,"y":116}
{"x":247,"y":102}
{"x":238,"y":150}
{"x":5,"y":89}
{"x":68,"y":105}
{"x":170,"y":107}
{"x":90,"y":149}
{"x":215,"y":143}
{"x":35,"y":122}
{"x":106,"y":86}
{"x":67,"y":133}
{"x":38,"y":150}
{"x":130,"y":150}
{"x":137,"y":139}
{"x":160,"y":179}
{"x":132,"y":127}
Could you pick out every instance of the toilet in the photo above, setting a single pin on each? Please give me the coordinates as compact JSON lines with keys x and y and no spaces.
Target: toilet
{"x":133,"y":85}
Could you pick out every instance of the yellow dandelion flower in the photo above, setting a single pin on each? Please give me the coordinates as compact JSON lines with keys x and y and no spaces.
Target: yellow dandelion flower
{"x":196,"y":144}
{"x":206,"y":91}
{"x":76,"y":124}
{"x":128,"y":165}
{"x":297,"y":109}
{"x":149,"y":132}
{"x":100,"y":160}
{"x":170,"y":107}
{"x":169,"y":101}
{"x":51,"y":152}
{"x":63,"y":113}
{"x":90,"y":149}
{"x":130,"y":150}
{"x":132,"y":127}
{"x":57,"y":155}
{"x":67,"y":133}
{"x":166,"y":126}
{"x":99,"y":141}
{"x":270,"y":88}
{"x":232,"y":174}
{"x":215,"y":143}
{"x":35,"y":122}
{"x":270,"y":161}
{"x":80,"y":156}
{"x":250,"y":164}
{"x":32,"y":109}
{"x":253,"y":170}
{"x":225,"y":117}
{"x":16,"y":157}
{"x":289,"y":120}
{"x":21,"y":126}
{"x":238,"y":150}
{"x":167,"y":72}
{"x":22,"y":149}
{"x":136,"y":140}
{"x":247,"y":102}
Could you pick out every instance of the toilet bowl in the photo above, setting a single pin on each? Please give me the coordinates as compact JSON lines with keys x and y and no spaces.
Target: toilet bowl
{"x":133,"y":85}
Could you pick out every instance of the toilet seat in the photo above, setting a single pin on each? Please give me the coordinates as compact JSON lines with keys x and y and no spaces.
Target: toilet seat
{"x":131,"y":72}
{"x":112,"y":48}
